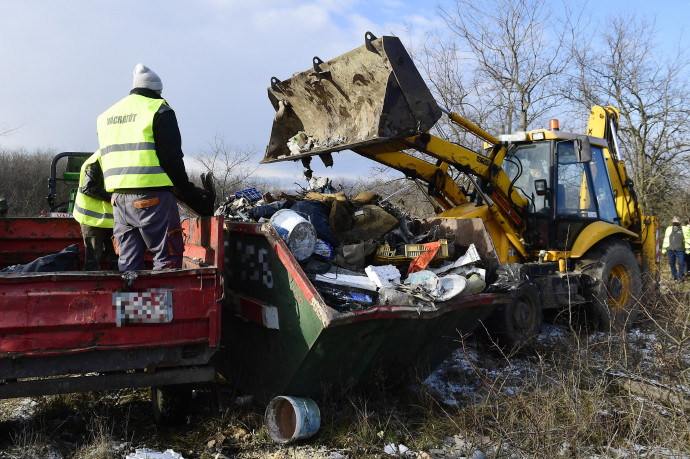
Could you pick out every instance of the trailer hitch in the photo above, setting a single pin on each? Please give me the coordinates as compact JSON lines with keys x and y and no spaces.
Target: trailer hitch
{"x":129,"y":277}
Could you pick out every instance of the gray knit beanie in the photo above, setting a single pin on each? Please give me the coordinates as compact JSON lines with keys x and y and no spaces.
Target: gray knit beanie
{"x":144,"y":77}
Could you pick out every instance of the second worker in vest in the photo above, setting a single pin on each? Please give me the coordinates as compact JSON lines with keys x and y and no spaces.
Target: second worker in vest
{"x":93,"y":211}
{"x":141,"y":157}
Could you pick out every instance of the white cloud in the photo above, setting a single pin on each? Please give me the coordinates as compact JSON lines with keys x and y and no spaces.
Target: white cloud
{"x":65,"y":62}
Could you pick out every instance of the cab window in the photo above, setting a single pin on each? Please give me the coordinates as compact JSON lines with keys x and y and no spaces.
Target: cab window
{"x":573,"y":191}
{"x":528,"y":163}
{"x":602,"y":187}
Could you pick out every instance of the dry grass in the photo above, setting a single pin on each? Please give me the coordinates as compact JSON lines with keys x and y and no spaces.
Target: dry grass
{"x":588,"y":395}
{"x":606,"y":394}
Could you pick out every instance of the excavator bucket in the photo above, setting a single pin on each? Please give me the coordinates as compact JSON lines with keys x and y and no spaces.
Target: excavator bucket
{"x":369,"y":95}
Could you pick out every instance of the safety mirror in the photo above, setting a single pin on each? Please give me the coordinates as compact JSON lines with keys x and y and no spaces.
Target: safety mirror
{"x":540,"y":187}
{"x":583,"y":150}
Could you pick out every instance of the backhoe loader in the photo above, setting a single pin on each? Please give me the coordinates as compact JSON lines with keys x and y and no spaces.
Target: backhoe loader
{"x":562,"y":204}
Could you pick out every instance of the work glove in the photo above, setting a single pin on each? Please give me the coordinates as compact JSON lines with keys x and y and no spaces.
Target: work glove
{"x":208,"y":195}
{"x":200,"y":200}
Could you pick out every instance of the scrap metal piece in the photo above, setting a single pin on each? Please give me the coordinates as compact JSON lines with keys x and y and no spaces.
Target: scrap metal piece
{"x":471,"y":256}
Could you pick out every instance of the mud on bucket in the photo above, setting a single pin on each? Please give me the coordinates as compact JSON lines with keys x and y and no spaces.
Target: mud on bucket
{"x":297,"y":232}
{"x":292,"y":418}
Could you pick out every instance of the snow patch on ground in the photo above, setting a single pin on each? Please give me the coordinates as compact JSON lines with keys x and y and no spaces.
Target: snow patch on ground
{"x":18,"y":409}
{"x":465,"y":375}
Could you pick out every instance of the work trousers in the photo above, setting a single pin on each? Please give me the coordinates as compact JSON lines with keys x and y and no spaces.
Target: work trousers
{"x":147,"y":221}
{"x":98,"y":247}
{"x":679,"y":255}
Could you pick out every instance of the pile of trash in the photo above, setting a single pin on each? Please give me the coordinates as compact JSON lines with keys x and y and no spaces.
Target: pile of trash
{"x":362,"y":251}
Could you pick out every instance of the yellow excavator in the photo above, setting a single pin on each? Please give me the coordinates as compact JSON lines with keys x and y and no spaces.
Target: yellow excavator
{"x":561,"y":204}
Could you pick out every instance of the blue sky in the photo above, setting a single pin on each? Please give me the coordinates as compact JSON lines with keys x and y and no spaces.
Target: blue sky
{"x":65,"y":62}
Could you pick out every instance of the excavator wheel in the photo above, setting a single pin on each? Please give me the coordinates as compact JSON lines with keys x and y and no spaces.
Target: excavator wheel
{"x":515,"y":325}
{"x":613,"y":285}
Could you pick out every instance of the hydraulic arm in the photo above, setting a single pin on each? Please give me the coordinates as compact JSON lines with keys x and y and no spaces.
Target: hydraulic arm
{"x":373,"y":101}
{"x":603,"y":122}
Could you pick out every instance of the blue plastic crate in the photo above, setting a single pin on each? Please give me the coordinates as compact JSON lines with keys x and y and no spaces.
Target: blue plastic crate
{"x":251,"y":194}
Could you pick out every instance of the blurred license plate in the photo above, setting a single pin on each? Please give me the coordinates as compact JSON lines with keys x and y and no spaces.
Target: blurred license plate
{"x":150,"y":306}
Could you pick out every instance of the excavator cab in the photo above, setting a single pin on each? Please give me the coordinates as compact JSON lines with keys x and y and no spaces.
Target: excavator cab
{"x":583,"y":193}
{"x":578,"y":190}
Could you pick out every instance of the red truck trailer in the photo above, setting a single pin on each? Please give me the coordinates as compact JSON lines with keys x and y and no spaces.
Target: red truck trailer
{"x":73,"y":331}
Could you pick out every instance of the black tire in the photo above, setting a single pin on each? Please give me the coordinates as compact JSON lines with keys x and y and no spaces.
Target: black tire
{"x":515,"y":325}
{"x":171,"y":404}
{"x":612,"y":285}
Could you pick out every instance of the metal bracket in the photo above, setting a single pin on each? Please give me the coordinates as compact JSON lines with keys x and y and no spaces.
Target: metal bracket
{"x":274,"y":84}
{"x":368,"y":38}
{"x":130,"y":277}
{"x":317,"y":69}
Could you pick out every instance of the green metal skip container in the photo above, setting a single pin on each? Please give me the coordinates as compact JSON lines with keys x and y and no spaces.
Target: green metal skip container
{"x":281,"y":338}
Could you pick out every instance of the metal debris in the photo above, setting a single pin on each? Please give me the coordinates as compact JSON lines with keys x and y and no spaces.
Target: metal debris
{"x":345,"y":266}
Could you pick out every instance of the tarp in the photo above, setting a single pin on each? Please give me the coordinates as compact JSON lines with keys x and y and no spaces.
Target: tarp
{"x":65,"y":260}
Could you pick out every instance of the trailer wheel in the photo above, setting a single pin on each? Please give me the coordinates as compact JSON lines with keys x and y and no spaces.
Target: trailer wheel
{"x":171,"y":404}
{"x":515,"y":325}
{"x":612,"y":286}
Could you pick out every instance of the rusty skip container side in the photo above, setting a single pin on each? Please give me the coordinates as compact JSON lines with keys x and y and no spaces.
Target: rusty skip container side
{"x":281,"y":338}
{"x":163,"y":328}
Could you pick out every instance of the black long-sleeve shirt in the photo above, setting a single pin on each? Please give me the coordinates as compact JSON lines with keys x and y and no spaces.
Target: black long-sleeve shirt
{"x":94,"y":184}
{"x":166,"y":134}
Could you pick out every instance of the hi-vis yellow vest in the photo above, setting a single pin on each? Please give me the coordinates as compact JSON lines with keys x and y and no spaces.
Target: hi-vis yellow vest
{"x":128,"y":150}
{"x":91,"y":211}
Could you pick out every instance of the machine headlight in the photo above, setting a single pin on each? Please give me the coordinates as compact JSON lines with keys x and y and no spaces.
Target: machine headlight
{"x":517,"y":137}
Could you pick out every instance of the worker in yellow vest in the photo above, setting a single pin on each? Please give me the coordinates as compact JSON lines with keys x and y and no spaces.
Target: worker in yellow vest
{"x":93,"y":211}
{"x":676,"y":243}
{"x":686,"y":234}
{"x":142,"y":162}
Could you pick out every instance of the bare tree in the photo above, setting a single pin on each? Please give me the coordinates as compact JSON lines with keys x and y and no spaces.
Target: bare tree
{"x":497,"y":64}
{"x":516,"y":52}
{"x":4,"y":130}
{"x":625,"y":68}
{"x":441,"y":60}
{"x":232,"y":166}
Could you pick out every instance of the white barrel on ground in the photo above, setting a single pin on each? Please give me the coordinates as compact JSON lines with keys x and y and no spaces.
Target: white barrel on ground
{"x":292,"y":418}
{"x":297,"y":232}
